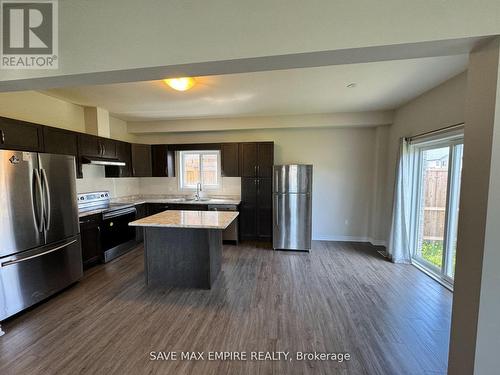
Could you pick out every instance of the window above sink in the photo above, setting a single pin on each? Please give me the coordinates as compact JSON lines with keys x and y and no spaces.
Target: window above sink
{"x":199,"y":167}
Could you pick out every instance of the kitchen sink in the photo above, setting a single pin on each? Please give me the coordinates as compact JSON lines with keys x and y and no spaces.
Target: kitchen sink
{"x":190,"y":199}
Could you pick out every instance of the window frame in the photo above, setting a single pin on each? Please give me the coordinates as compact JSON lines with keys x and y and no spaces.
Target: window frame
{"x":453,"y":140}
{"x":180,"y":157}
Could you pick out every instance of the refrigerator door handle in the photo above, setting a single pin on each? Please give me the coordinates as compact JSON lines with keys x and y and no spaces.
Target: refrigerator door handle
{"x":39,"y":220}
{"x":11,"y":262}
{"x":46,"y":191}
{"x":276,"y":210}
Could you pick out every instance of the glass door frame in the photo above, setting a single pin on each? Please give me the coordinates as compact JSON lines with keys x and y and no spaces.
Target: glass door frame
{"x":453,"y":141}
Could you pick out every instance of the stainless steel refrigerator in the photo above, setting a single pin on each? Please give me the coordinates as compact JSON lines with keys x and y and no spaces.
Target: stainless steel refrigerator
{"x":40,"y":251}
{"x":292,"y":195}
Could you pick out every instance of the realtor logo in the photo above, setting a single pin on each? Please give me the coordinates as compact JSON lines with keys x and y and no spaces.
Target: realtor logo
{"x":29,"y":34}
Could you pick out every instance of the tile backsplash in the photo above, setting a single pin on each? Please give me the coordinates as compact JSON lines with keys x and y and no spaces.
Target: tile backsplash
{"x":94,"y":180}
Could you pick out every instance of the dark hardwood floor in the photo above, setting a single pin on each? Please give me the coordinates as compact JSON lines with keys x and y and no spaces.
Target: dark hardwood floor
{"x":342,"y":297}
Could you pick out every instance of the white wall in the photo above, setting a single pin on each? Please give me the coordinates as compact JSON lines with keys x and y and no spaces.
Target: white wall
{"x":343,"y":162}
{"x":440,"y":107}
{"x":118,"y":130}
{"x":42,"y":109}
{"x":93,"y":180}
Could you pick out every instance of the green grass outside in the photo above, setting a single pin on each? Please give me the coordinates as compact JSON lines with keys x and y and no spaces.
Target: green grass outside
{"x":432,"y":251}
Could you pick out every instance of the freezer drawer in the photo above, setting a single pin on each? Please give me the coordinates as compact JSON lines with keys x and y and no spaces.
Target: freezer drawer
{"x":31,"y":276}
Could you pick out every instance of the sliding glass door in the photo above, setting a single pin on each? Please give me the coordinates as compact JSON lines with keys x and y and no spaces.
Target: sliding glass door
{"x":436,"y":191}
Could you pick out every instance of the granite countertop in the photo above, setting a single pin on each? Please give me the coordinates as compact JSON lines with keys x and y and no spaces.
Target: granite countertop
{"x":188,"y":219}
{"x":140,"y":199}
{"x":88,"y":213}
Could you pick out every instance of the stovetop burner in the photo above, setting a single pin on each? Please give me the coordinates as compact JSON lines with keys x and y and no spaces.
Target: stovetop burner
{"x":99,"y":200}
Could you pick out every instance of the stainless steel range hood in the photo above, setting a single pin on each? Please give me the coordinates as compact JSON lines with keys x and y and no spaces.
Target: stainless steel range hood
{"x":103,"y":161}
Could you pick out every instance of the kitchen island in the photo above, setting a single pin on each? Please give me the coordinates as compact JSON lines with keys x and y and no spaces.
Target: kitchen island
{"x":183,"y":248}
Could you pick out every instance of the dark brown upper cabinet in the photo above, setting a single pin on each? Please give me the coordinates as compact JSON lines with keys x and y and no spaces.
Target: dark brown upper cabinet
{"x":91,"y":145}
{"x":163,"y":161}
{"x":265,"y":157}
{"x":194,"y":146}
{"x":230,"y":159}
{"x":123,"y":153}
{"x":141,"y":160}
{"x":248,"y":159}
{"x":20,"y":135}
{"x":108,"y":147}
{"x":60,"y":141}
{"x":256,"y":159}
{"x":88,"y":145}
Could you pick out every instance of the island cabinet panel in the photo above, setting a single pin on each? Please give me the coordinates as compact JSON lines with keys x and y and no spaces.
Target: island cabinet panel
{"x":20,"y":135}
{"x":141,"y":160}
{"x":141,"y":212}
{"x":90,"y":232}
{"x":230,"y":159}
{"x":182,"y":257}
{"x":163,"y":161}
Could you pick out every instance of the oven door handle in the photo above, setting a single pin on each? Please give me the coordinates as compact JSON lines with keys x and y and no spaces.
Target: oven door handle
{"x":119,"y":213}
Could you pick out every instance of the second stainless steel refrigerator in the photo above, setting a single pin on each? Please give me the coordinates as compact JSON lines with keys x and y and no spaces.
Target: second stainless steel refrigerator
{"x":292,"y":196}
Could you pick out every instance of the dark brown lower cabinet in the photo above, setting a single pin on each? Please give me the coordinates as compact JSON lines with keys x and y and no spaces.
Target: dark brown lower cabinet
{"x":256,"y":209}
{"x":264,"y":209}
{"x":155,"y":208}
{"x":90,"y":233}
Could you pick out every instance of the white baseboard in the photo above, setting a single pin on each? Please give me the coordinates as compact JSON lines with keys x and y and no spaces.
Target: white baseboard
{"x":350,"y":239}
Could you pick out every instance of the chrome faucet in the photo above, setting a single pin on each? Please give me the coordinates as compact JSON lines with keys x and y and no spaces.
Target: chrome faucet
{"x":198,"y":190}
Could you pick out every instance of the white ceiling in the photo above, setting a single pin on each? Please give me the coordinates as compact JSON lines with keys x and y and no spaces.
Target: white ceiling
{"x":380,"y":86}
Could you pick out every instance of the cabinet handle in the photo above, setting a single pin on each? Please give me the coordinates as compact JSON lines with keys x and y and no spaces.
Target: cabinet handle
{"x":258,"y":170}
{"x":255,"y":170}
{"x":2,"y":136}
{"x":103,"y":148}
{"x":258,"y":186}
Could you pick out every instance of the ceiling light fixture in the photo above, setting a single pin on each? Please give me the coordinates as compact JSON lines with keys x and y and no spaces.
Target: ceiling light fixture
{"x":351,"y":85}
{"x":180,"y":84}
